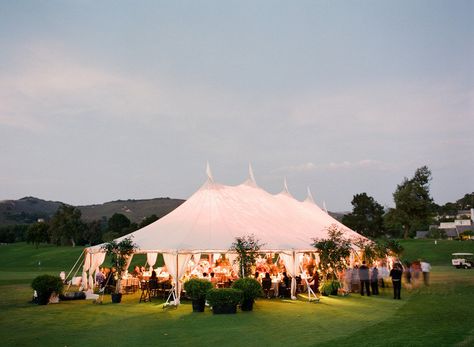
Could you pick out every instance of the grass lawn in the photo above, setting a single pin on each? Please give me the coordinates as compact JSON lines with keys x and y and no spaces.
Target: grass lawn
{"x":439,"y":315}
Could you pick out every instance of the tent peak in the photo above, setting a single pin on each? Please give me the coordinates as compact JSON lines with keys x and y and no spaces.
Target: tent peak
{"x":209,"y":173}
{"x":251,"y":180}
{"x":285,"y":190}
{"x":309,"y":196}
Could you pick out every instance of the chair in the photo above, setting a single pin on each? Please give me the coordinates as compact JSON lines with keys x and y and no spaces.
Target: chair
{"x":145,"y":296}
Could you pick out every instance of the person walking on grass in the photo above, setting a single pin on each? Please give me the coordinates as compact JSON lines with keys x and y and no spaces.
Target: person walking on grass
{"x":425,"y":268}
{"x":364,"y":279}
{"x":396,"y":274}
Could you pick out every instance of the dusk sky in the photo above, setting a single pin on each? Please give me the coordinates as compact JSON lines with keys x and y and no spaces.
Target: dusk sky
{"x":106,"y":100}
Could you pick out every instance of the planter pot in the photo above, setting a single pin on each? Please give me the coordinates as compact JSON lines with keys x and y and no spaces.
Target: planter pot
{"x":43,"y":298}
{"x":247,"y":305}
{"x":334,"y":292}
{"x":224,"y":309}
{"x":116,"y":298}
{"x":199,"y":305}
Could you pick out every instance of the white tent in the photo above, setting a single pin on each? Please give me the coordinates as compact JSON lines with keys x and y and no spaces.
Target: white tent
{"x":211,"y":219}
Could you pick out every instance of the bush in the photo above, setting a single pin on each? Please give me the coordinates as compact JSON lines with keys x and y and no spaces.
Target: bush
{"x":45,"y":285}
{"x":197,"y":288}
{"x":329,"y":287}
{"x":224,"y":296}
{"x":249,"y":286}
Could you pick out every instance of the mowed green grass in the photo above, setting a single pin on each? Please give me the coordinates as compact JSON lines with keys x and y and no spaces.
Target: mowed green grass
{"x":439,"y":315}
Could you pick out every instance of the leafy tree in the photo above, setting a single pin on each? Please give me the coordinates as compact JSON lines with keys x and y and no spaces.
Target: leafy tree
{"x":66,"y":226}
{"x":333,"y":251}
{"x":366,"y":217}
{"x":120,"y":253}
{"x":37,"y":233}
{"x":148,"y":220}
{"x":413,"y":203}
{"x":247,"y":248}
{"x":466,"y":202}
{"x":93,"y":233}
{"x":118,"y":224}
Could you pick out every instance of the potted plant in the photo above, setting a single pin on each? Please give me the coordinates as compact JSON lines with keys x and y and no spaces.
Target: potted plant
{"x":251,"y":289}
{"x":45,"y":286}
{"x":247,"y":248}
{"x":330,"y":287}
{"x":196,"y":289}
{"x":121,"y":252}
{"x":224,"y":300}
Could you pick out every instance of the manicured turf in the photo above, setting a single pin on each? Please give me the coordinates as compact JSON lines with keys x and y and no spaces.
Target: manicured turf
{"x":439,"y":315}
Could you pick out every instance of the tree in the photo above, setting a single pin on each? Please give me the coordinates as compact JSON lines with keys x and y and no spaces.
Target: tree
{"x":148,"y":220}
{"x":247,"y":248}
{"x":366,"y":217}
{"x":413,"y":203}
{"x":120,"y":253}
{"x":37,"y":233}
{"x":93,"y":233}
{"x":118,"y":224}
{"x":333,"y":251}
{"x":66,"y":226}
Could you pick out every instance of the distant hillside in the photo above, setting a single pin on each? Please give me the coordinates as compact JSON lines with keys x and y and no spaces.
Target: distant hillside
{"x":29,"y":209}
{"x":26,"y":210}
{"x":135,"y":210}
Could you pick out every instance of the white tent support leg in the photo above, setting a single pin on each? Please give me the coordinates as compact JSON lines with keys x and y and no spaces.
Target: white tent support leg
{"x":75,"y":273}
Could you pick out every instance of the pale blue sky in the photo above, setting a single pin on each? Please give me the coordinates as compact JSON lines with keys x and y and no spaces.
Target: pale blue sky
{"x":129,"y":99}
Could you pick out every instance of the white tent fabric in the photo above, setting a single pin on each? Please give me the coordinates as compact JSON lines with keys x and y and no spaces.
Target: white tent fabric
{"x":211,"y":219}
{"x":214,"y":216}
{"x":151,"y":258}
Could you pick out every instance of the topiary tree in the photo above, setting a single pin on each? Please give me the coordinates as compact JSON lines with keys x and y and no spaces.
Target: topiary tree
{"x":247,"y":248}
{"x":121,"y":252}
{"x":333,"y":251}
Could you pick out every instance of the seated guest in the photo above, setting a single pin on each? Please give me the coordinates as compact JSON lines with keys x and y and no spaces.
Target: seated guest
{"x":257,"y":276}
{"x":136,"y":272}
{"x":214,"y":280}
{"x":267,"y":284}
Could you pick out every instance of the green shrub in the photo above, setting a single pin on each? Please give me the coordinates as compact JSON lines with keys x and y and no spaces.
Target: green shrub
{"x":330,"y":286}
{"x":45,"y":285}
{"x":249,"y":286}
{"x":197,"y":288}
{"x":224,"y":296}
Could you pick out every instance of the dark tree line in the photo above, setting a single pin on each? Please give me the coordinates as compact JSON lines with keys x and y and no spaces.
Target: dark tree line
{"x":66,"y":227}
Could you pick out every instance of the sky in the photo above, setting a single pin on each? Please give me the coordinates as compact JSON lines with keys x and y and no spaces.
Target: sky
{"x":107,"y":100}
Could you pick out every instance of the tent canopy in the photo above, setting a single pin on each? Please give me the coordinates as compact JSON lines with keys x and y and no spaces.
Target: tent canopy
{"x":212,"y":218}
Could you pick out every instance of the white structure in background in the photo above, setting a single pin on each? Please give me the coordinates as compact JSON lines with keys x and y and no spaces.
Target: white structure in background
{"x":211,"y":219}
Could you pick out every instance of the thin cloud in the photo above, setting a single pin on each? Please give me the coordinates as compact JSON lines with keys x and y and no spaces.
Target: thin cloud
{"x":344,"y":165}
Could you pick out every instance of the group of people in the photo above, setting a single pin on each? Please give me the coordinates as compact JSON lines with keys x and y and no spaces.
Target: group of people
{"x":366,"y":280}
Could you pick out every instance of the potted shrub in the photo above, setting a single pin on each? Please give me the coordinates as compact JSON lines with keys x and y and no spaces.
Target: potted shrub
{"x":121,"y":252}
{"x":196,"y":289}
{"x":45,"y":286}
{"x":330,"y":287}
{"x":224,"y":300}
{"x":251,"y":289}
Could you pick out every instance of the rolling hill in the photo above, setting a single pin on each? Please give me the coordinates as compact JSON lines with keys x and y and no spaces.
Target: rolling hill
{"x":29,"y":209}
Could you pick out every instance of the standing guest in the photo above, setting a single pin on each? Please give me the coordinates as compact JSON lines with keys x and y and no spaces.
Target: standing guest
{"x":355,"y":279}
{"x":407,"y":271}
{"x":348,"y":280}
{"x":100,"y":278}
{"x":425,"y":268}
{"x":364,"y":279}
{"x":314,"y":282}
{"x":396,"y":274}
{"x":374,"y":280}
